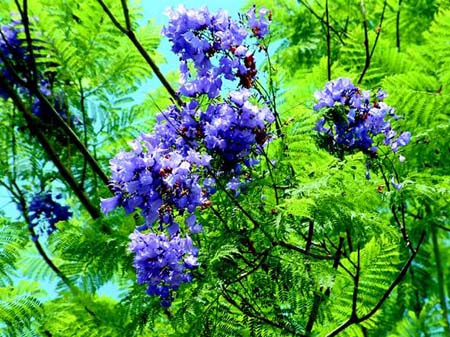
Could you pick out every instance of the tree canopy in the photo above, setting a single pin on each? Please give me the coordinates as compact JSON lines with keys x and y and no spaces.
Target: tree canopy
{"x":290,"y":176}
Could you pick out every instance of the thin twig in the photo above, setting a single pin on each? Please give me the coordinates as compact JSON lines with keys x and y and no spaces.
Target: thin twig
{"x":401,"y":224}
{"x":318,"y":297}
{"x":272,"y":177}
{"x":252,"y":313}
{"x":370,"y":53}
{"x":272,"y":96}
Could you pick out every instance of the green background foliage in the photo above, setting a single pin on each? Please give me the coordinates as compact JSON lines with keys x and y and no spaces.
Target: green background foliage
{"x":321,"y":251}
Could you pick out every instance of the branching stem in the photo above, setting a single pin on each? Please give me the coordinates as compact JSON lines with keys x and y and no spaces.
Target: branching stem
{"x":355,"y":319}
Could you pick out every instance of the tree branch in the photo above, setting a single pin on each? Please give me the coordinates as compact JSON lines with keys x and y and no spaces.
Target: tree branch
{"x":397,"y":25}
{"x":130,"y":34}
{"x":302,"y":251}
{"x":366,"y":41}
{"x":57,"y":117}
{"x":354,"y":320}
{"x":16,"y":191}
{"x":26,"y":24}
{"x":369,"y":54}
{"x":34,"y":128}
{"x":379,"y":28}
{"x":309,"y":8}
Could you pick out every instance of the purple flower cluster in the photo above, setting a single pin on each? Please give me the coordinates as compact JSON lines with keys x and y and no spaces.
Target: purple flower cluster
{"x":166,"y":173}
{"x":215,"y":47}
{"x":163,"y":263}
{"x":171,"y":173}
{"x":164,"y":183}
{"x":45,"y":212}
{"x":234,"y":132}
{"x":352,"y":119}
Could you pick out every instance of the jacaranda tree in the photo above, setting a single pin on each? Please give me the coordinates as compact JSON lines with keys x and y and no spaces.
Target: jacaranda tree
{"x":288,"y":178}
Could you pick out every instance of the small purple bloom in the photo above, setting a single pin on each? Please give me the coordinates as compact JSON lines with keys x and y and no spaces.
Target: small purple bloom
{"x":107,"y":205}
{"x":351,"y":122}
{"x":395,"y":185}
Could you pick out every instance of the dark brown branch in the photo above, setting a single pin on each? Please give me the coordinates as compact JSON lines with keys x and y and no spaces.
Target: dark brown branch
{"x":310,"y":236}
{"x":397,"y":25}
{"x":355,"y":320}
{"x":72,"y":136}
{"x":143,"y":52}
{"x":314,"y":312}
{"x":349,"y":239}
{"x":126,"y":14}
{"x":85,"y":134}
{"x":35,"y":130}
{"x":379,"y":28}
{"x":369,"y":54}
{"x":254,"y":268}
{"x":26,"y":24}
{"x":442,"y":227}
{"x":366,"y":41}
{"x":57,"y":117}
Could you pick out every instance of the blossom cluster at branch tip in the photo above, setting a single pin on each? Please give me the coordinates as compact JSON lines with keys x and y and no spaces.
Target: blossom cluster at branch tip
{"x":170,"y":174}
{"x":352,"y":119}
{"x":213,"y":47}
{"x":162,"y":263}
{"x":45,"y":212}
